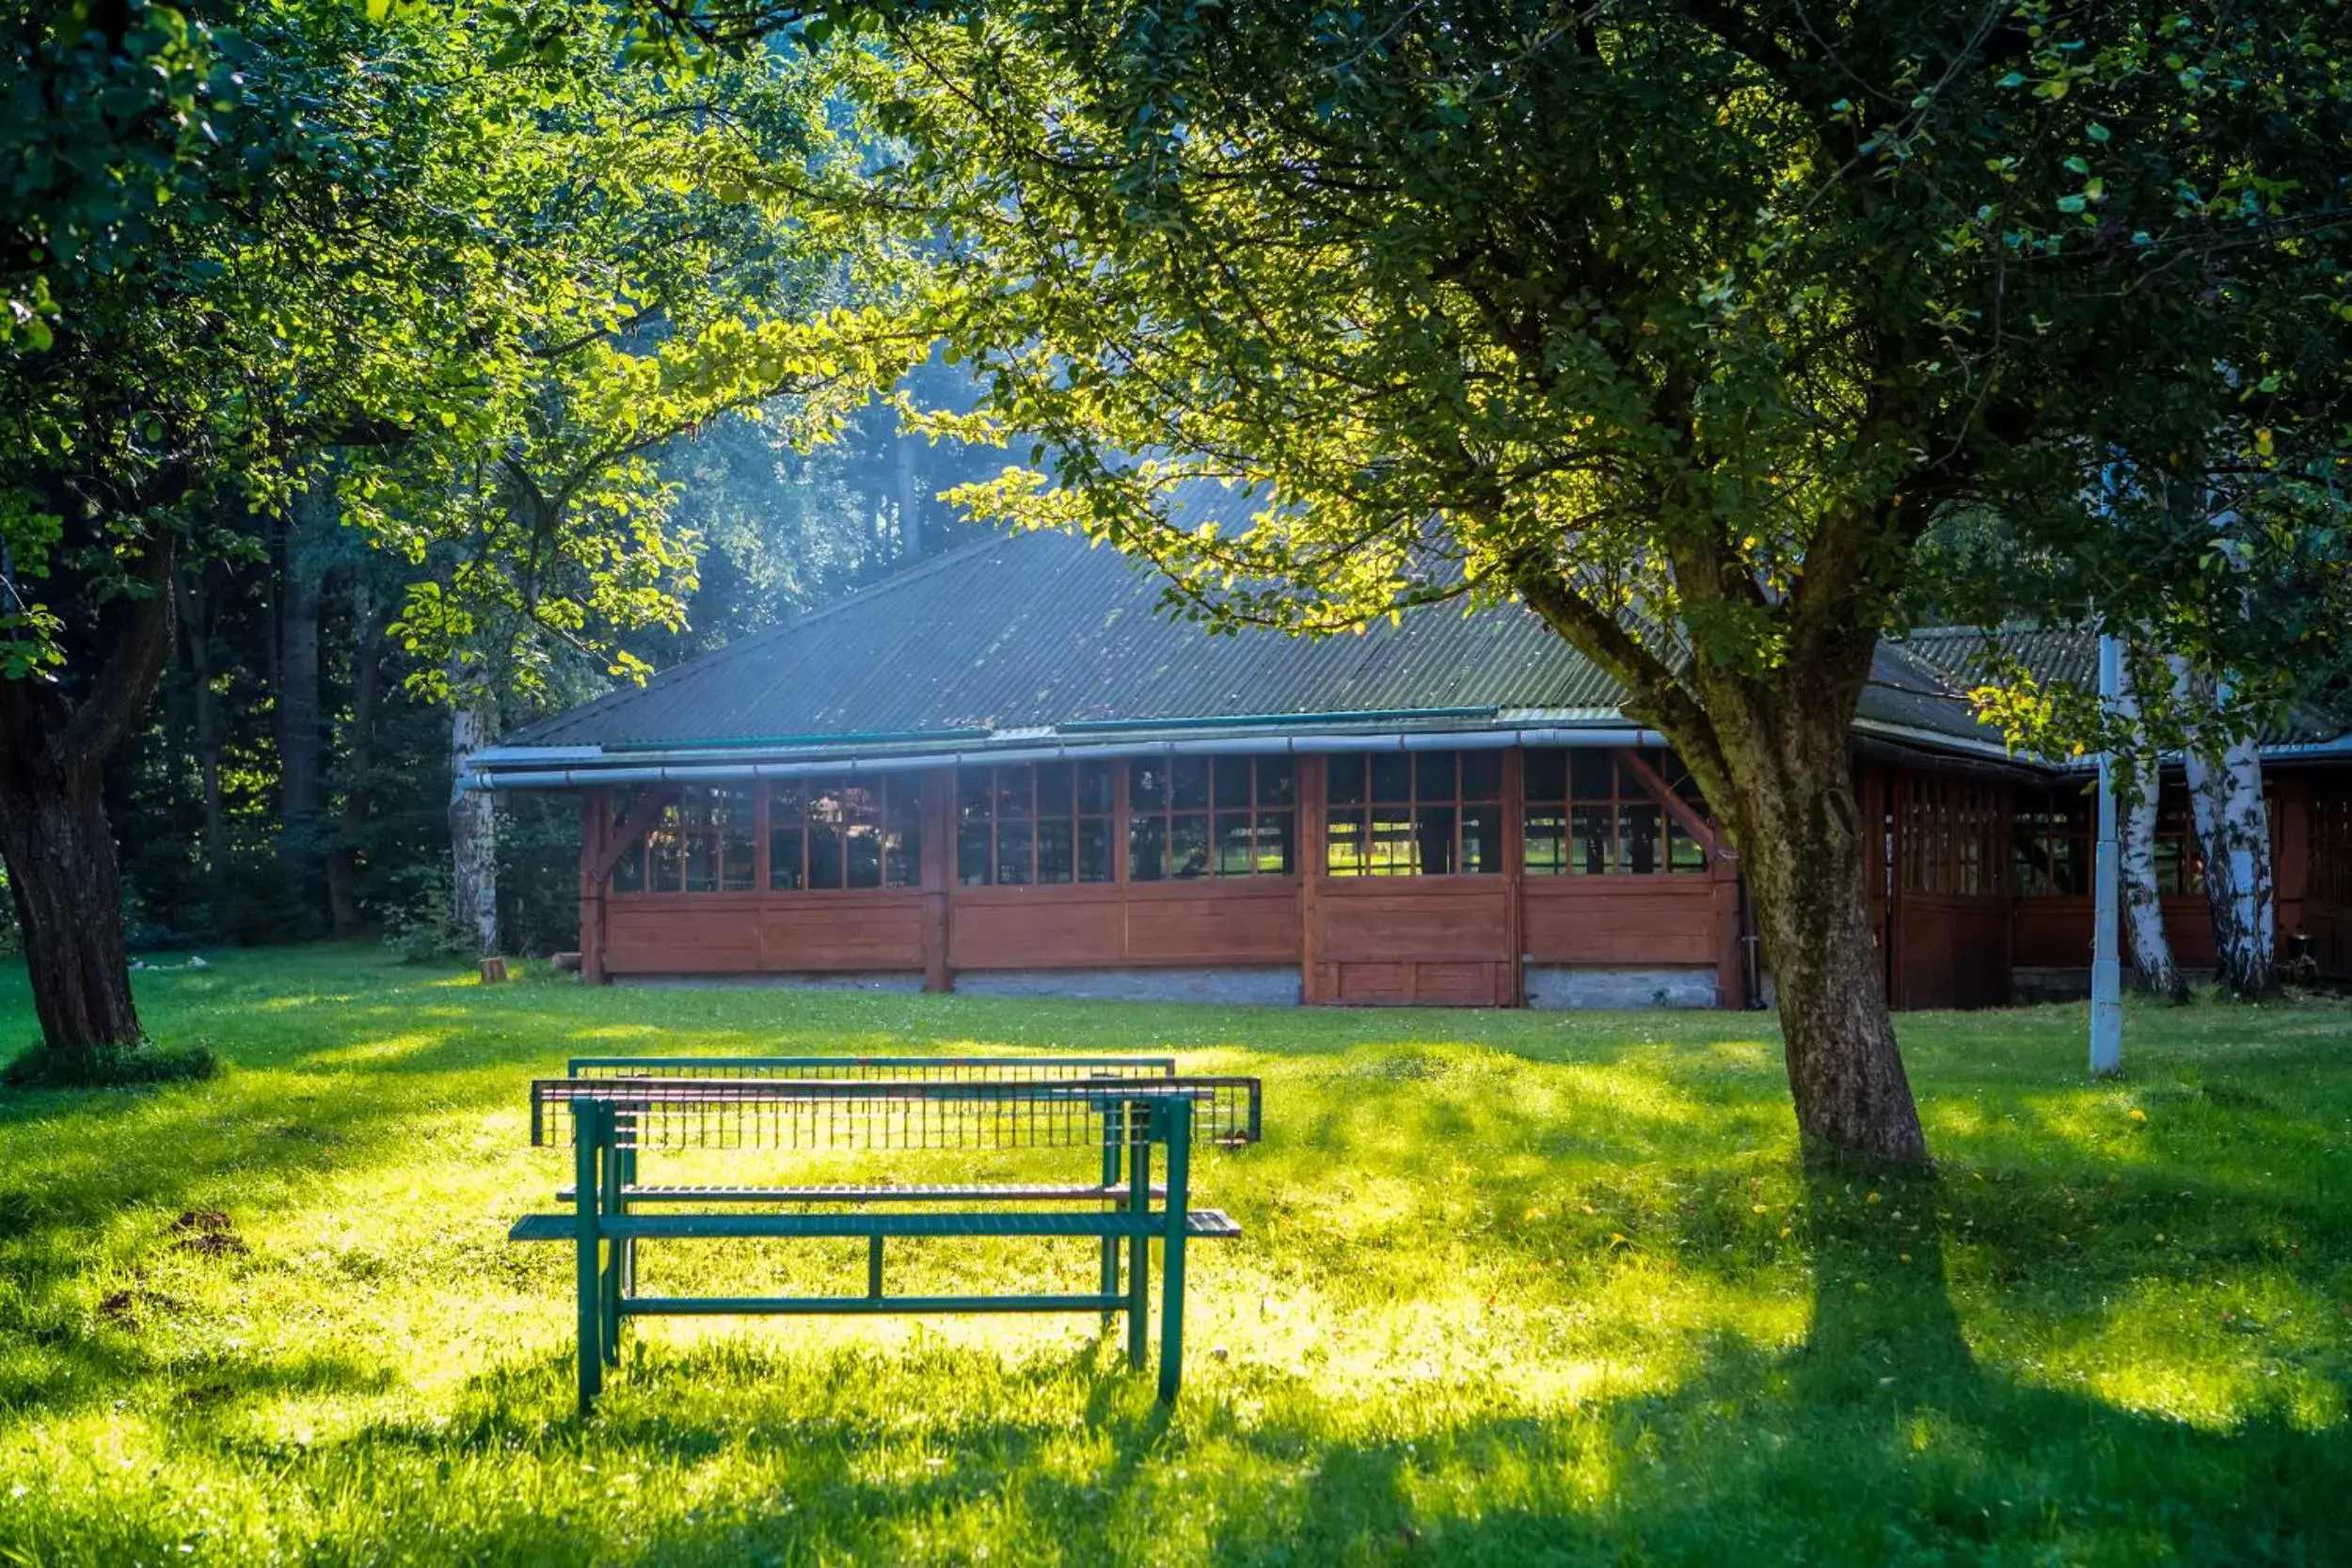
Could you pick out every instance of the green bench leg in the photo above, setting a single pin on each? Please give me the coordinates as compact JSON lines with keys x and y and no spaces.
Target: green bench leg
{"x":586,"y":1139}
{"x":1172,"y":1249}
{"x":615,"y":1252}
{"x":1138,"y":1244}
{"x":1110,"y":1244}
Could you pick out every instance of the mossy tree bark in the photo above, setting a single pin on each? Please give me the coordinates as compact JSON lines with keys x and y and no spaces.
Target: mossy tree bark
{"x":63,"y":872}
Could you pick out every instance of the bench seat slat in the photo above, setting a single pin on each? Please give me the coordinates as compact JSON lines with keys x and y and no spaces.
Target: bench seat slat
{"x":1204,"y":1223}
{"x":842,"y":1192}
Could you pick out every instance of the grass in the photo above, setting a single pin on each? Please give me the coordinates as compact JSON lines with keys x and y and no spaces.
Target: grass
{"x":1516,"y":1288}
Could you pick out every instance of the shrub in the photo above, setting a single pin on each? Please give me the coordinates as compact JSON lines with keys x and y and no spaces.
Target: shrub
{"x":421,"y":923}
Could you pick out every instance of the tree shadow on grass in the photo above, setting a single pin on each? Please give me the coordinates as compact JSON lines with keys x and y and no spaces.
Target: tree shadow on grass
{"x":1881,"y":1439}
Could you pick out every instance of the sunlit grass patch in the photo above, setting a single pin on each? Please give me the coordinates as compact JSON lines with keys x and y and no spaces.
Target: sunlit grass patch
{"x":1514,"y":1289}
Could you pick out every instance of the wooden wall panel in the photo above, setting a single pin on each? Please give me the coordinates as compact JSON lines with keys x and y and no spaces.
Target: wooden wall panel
{"x":1620,"y":920}
{"x":1416,"y":919}
{"x":1954,"y":953}
{"x":1074,"y":927}
{"x":733,"y":933}
{"x":1242,"y":920}
{"x":2055,"y":933}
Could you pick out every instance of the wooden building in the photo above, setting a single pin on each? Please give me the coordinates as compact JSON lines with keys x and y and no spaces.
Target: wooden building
{"x":1001,"y":771}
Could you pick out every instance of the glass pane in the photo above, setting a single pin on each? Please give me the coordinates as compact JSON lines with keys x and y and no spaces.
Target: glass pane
{"x":1187,"y":846}
{"x":972,"y":794}
{"x":1434,"y":839}
{"x":1482,"y":839}
{"x":2065,"y":868}
{"x":1592,"y":773}
{"x":783,"y":852}
{"x":739,"y":857}
{"x":2169,"y":877}
{"x":628,"y":872}
{"x":1233,"y":781}
{"x":1094,"y":850}
{"x":1547,"y":842}
{"x":1593,"y":832}
{"x":1437,"y":775}
{"x":1147,"y":848}
{"x":824,"y":852}
{"x":1343,"y":780}
{"x":1277,"y":781}
{"x":1637,"y":839}
{"x":1012,"y":791}
{"x":1013,"y":845}
{"x":1189,"y":782}
{"x":1389,"y":850}
{"x":1481,"y":775}
{"x":1147,"y":785}
{"x":972,"y":854}
{"x":1094,"y":789}
{"x":902,"y":845}
{"x":1546,"y":775}
{"x":866,"y":855}
{"x":1055,"y":857}
{"x":1683,"y":852}
{"x":1274,"y":844}
{"x":1232,"y":856}
{"x":663,"y":857}
{"x":1343,"y":844}
{"x":1053,"y":792}
{"x":1391,"y":776}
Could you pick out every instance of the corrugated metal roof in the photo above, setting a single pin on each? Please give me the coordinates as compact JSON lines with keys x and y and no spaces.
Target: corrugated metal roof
{"x":1039,"y":631}
{"x":1031,"y":630}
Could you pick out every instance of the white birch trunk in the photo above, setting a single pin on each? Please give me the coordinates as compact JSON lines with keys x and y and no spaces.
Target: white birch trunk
{"x":473,"y":829}
{"x":2144,"y":903}
{"x":2225,"y":795}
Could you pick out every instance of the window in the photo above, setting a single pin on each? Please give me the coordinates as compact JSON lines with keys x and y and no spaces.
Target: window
{"x":845,"y":831}
{"x":702,"y":842}
{"x":1050,"y":822}
{"x":1201,"y":816}
{"x":1950,"y":838}
{"x":1591,"y":814}
{"x":2331,"y":879}
{"x":2050,"y":845}
{"x":2180,"y":861}
{"x":1414,"y":814}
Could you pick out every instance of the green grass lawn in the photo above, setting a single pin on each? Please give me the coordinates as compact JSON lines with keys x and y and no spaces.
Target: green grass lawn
{"x":1514,"y":1288}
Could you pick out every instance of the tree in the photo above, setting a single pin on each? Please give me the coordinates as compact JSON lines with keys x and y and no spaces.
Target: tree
{"x":1678,"y":320}
{"x":371,"y":251}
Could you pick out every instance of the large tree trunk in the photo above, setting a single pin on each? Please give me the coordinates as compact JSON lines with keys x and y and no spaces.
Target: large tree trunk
{"x":54,"y":834}
{"x":301,"y":727}
{"x":1800,"y":840}
{"x":68,"y":888}
{"x":472,"y":828}
{"x":367,"y":675}
{"x":2143,"y":901}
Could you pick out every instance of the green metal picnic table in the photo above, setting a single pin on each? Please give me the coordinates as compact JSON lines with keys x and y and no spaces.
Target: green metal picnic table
{"x":613,"y":1110}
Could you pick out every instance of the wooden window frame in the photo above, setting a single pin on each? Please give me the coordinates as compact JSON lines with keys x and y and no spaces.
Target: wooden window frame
{"x":1415,"y":805}
{"x":1680,"y":820}
{"x":1253,"y":815}
{"x":668,"y":814}
{"x":1076,"y":818}
{"x":891,"y":793}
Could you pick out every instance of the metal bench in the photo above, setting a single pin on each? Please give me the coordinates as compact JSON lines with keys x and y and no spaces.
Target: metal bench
{"x":612,"y":1109}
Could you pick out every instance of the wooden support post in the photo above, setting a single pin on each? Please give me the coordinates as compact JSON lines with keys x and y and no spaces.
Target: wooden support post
{"x":938,"y":878}
{"x":1309,"y":864}
{"x":596,"y":825}
{"x":1512,"y":991}
{"x":1177,"y":1121}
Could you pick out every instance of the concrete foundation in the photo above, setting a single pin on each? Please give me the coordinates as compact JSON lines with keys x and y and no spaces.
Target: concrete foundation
{"x":1232,"y":986}
{"x":1578,"y":985}
{"x":880,"y":979}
